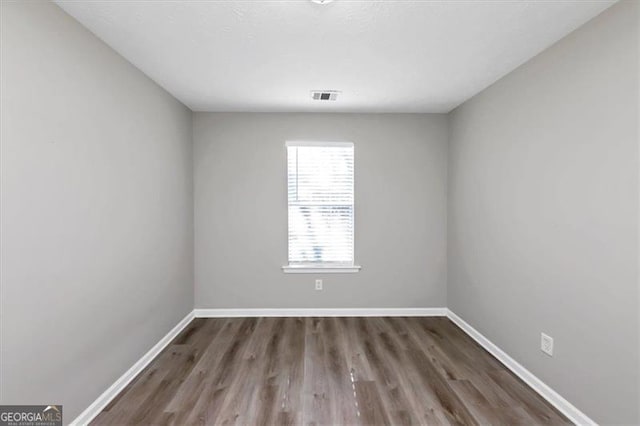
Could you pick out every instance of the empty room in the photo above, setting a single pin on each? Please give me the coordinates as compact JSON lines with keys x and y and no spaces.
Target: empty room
{"x":320,"y":212}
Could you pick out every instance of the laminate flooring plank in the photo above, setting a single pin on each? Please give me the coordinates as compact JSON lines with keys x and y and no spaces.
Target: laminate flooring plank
{"x":233,"y":373}
{"x":433,"y":407}
{"x":370,"y":404}
{"x":340,"y":378}
{"x":351,"y":336}
{"x":449,"y":403}
{"x":230,"y":361}
{"x":319,"y":405}
{"x":437,"y":384}
{"x":507,"y":404}
{"x":292,"y":380}
{"x":140,"y":393}
{"x":273,"y":351}
{"x":482,"y":409}
{"x":257,"y":346}
{"x":187,"y":396}
{"x":454,"y":361}
{"x":179,"y":365}
{"x":497,"y":396}
{"x":467,"y":345}
{"x":199,"y":338}
{"x":222,"y":357}
{"x":207,"y":406}
{"x":251,"y":395}
{"x":128,"y":400}
{"x":219,"y":345}
{"x":530,"y":401}
{"x":451,"y":363}
{"x":421,"y":407}
{"x":383,"y":357}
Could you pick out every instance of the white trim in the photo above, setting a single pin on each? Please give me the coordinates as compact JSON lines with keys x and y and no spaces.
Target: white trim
{"x":306,"y":269}
{"x":322,"y":312}
{"x":564,"y":406}
{"x":98,"y":405}
{"x":319,"y":143}
{"x":289,"y":269}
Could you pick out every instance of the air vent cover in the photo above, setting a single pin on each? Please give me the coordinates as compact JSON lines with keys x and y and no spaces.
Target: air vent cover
{"x":324,"y":95}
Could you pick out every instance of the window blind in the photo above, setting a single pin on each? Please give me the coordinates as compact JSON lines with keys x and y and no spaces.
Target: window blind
{"x":320,"y":183}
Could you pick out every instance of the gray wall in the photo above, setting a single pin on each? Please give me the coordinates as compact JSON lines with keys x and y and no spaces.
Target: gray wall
{"x":241,"y":211}
{"x":97,"y":224}
{"x":543,"y":215}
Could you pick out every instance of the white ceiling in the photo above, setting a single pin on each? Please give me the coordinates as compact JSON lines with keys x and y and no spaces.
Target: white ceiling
{"x":385,"y":56}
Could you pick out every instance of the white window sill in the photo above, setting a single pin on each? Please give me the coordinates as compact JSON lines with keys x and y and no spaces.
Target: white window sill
{"x":320,"y":269}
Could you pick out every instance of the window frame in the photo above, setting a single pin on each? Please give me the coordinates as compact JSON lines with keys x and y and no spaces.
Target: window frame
{"x":326,"y":267}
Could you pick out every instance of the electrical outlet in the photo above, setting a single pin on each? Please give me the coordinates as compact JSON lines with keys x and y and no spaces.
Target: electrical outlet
{"x":318,"y":284}
{"x":546,"y":344}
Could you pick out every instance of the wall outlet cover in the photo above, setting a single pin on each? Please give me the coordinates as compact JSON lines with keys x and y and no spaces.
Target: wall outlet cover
{"x":546,"y":344}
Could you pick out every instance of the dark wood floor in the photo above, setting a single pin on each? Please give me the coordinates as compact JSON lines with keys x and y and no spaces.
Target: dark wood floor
{"x":329,"y":371}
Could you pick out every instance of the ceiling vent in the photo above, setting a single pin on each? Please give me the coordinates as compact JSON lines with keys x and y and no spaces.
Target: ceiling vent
{"x":324,"y":95}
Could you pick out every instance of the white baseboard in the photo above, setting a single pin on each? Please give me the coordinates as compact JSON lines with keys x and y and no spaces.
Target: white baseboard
{"x":98,"y":405}
{"x":101,"y":402}
{"x":564,"y":406}
{"x":320,"y":312}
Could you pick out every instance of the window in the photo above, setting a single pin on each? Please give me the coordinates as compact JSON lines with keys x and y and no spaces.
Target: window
{"x":320,"y":194}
